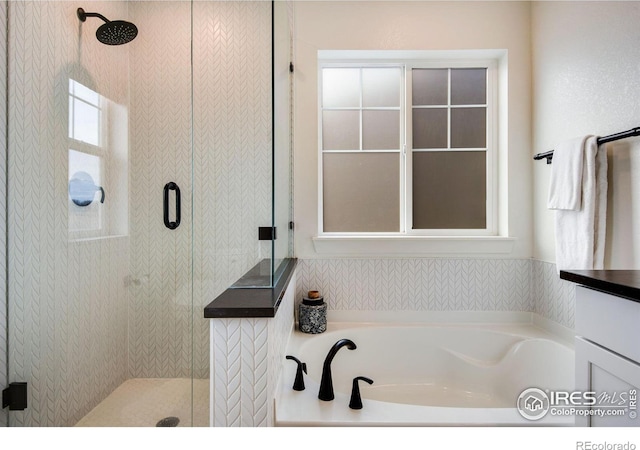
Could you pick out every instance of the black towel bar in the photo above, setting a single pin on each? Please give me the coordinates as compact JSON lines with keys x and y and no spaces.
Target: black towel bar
{"x":601,"y":140}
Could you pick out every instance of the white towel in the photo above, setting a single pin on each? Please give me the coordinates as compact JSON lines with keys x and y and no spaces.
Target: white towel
{"x":565,"y":186}
{"x":580,"y":233}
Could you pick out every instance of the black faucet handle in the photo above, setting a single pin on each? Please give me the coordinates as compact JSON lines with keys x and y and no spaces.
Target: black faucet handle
{"x":356,"y":401}
{"x":298,"y":384}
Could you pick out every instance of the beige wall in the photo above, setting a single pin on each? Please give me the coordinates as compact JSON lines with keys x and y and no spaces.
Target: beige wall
{"x":586,"y":81}
{"x":413,"y":26}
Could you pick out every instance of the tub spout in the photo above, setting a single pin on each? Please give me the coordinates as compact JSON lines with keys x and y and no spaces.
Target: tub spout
{"x":326,"y":383}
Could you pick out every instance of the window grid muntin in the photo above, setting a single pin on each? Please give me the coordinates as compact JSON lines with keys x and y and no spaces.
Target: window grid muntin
{"x":362,"y":108}
{"x":401,"y":151}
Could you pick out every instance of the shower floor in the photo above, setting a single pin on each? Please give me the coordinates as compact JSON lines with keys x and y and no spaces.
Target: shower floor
{"x":142,"y":402}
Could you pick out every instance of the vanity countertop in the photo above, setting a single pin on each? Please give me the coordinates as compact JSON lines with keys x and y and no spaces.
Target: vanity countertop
{"x":622,"y":283}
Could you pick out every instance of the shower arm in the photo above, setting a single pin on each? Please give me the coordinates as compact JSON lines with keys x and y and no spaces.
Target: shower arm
{"x":82,"y":15}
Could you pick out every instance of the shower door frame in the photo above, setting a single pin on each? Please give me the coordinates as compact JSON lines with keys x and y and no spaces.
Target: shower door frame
{"x":4,"y":305}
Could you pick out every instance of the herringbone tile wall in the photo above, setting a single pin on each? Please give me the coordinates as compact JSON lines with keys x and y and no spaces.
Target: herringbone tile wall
{"x":440,"y":285}
{"x":232,"y":149}
{"x":86,"y":315}
{"x":160,"y":135}
{"x":246,"y":359}
{"x":554,"y":298}
{"x":68,"y":302}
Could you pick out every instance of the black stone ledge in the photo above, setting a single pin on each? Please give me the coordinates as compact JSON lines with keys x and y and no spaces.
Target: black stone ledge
{"x":251,"y":302}
{"x":622,"y":283}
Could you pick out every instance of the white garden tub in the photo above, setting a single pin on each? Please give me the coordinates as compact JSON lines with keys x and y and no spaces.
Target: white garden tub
{"x":436,"y":374}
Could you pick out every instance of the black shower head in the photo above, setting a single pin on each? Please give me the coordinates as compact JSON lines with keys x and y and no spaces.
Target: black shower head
{"x":115,"y":32}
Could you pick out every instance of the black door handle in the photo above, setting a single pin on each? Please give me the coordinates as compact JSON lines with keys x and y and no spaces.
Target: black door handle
{"x":171,"y":186}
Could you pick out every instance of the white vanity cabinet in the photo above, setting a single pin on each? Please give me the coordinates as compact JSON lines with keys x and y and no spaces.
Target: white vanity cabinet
{"x":607,"y":347}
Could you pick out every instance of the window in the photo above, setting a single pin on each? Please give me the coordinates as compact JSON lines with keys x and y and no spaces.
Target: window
{"x":86,"y":162}
{"x":407,"y":147}
{"x":98,"y":165}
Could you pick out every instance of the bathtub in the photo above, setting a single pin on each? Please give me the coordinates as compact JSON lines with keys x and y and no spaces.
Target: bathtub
{"x":426,"y":374}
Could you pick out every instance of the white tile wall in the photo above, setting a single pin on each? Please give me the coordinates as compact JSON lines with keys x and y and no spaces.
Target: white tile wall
{"x":246,"y":359}
{"x":86,"y":315}
{"x":160,"y":312}
{"x":67,"y":310}
{"x":554,"y":298}
{"x":232,"y":148}
{"x":439,"y":285}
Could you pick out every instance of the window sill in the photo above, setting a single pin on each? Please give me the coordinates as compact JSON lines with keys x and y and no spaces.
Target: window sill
{"x":413,"y":245}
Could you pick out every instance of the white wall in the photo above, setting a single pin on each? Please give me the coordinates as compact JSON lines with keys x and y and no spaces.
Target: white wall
{"x":394,"y":25}
{"x":586,"y":74}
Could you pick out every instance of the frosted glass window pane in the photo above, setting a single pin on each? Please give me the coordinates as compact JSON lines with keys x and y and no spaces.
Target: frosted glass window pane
{"x":381,"y":130}
{"x":468,"y":86}
{"x":341,"y":130}
{"x":430,"y":87}
{"x":429,"y":128}
{"x":468,"y":128}
{"x":361,"y":192}
{"x":86,"y":122}
{"x":381,"y":87}
{"x":449,"y":190}
{"x":340,"y":88}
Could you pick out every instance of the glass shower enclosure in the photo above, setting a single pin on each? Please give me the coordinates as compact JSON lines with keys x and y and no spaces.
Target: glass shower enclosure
{"x":138,"y":176}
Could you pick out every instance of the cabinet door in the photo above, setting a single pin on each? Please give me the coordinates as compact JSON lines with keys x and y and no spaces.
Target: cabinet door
{"x":615,"y":380}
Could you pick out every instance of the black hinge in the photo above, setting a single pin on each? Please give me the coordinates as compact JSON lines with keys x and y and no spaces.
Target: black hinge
{"x":291,"y":225}
{"x":266,"y":233}
{"x":15,"y":396}
{"x":291,"y":67}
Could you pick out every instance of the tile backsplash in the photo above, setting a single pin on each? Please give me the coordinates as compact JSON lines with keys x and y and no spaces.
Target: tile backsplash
{"x":422,"y":284}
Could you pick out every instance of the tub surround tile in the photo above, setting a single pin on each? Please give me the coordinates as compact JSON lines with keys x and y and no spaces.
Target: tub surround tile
{"x":246,"y":357}
{"x":420,"y":284}
{"x":430,"y":284}
{"x":554,"y":298}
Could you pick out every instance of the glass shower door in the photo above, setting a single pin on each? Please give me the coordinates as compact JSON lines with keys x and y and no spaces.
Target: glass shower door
{"x":100,"y":167}
{"x":138,"y":178}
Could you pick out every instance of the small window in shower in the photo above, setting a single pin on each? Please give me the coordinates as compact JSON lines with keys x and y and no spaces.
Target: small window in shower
{"x":85,"y":114}
{"x":98,"y":173}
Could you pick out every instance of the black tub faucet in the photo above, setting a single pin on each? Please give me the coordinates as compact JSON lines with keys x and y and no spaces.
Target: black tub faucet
{"x":326,"y":383}
{"x":298,"y":384}
{"x":356,"y":400}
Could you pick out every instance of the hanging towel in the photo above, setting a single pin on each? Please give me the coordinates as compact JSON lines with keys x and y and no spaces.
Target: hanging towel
{"x":565,"y":186}
{"x":580,"y":203}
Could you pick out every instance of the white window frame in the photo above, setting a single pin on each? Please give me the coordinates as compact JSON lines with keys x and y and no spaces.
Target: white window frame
{"x":100,"y":151}
{"x":408,"y":61}
{"x":491,"y":228}
{"x":401,"y":151}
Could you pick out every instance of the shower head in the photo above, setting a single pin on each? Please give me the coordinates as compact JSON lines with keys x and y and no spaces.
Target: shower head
{"x":114,"y":32}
